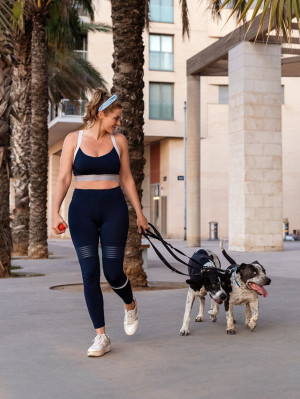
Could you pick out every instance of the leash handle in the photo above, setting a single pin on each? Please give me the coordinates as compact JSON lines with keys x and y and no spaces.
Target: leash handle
{"x":161,"y":257}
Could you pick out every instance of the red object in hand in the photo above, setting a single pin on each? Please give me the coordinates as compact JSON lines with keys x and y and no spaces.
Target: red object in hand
{"x":61,"y":227}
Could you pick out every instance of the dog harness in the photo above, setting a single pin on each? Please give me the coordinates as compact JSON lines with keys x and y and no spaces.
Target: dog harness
{"x":234,"y":276}
{"x":103,"y":168}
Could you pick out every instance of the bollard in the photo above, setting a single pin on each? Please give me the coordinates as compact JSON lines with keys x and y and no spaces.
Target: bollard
{"x":285,"y":227}
{"x":213,"y":230}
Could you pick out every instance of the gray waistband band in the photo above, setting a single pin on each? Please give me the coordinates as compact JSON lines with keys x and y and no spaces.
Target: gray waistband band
{"x":97,"y":178}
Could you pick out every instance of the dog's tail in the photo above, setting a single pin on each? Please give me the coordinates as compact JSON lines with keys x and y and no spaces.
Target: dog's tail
{"x":225,"y":254}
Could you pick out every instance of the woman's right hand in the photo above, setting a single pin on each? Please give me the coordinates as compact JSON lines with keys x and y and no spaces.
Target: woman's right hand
{"x":56,"y":221}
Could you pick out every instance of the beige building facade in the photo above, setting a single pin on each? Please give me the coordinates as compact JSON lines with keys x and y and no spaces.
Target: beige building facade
{"x":165,"y":95}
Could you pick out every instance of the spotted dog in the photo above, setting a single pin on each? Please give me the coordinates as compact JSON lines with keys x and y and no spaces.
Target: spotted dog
{"x":206,"y":277}
{"x":247,"y":283}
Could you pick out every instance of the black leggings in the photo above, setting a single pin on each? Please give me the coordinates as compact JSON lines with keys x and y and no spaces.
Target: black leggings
{"x":104,"y":214}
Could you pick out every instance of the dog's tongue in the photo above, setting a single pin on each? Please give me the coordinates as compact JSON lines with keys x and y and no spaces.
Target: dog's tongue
{"x":259,"y":289}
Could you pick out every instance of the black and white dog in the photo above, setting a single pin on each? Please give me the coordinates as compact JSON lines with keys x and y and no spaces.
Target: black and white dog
{"x":206,"y":277}
{"x":246,"y":284}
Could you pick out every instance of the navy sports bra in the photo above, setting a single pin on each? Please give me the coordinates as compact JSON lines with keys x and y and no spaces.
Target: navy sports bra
{"x":103,"y":168}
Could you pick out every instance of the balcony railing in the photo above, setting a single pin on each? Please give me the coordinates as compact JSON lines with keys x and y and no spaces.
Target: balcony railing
{"x":82,"y":54}
{"x":66,"y":109}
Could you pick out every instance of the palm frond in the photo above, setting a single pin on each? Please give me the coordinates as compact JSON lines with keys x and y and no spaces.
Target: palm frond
{"x":6,"y":15}
{"x":95,"y":27}
{"x":91,"y":78}
{"x":85,"y":5}
{"x":280,"y":13}
{"x":215,"y":7}
{"x":147,"y":13}
{"x":185,"y":18}
{"x":19,"y":11}
{"x":63,"y":31}
{"x":71,"y":77}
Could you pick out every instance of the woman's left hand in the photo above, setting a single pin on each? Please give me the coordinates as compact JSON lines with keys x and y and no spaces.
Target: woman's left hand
{"x":142,"y":223}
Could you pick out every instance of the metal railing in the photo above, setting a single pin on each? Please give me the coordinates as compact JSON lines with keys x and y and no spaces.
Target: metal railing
{"x":82,"y":54}
{"x":67,"y":108}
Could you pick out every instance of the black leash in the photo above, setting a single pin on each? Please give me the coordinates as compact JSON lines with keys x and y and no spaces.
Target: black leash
{"x":156,"y":235}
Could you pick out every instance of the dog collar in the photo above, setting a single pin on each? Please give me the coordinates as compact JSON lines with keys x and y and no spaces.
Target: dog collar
{"x":234,"y":276}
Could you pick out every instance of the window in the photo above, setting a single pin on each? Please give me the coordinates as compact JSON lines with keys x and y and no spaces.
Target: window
{"x":161,"y":56}
{"x":161,"y":101}
{"x":82,"y":47}
{"x":161,"y":11}
{"x":223,"y":94}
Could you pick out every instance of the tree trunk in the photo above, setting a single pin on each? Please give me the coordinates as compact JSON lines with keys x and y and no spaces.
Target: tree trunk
{"x":20,"y":139}
{"x":128,"y":18}
{"x":38,"y":247}
{"x":6,"y":69}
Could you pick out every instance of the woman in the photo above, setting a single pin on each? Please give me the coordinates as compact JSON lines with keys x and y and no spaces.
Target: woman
{"x":100,"y":162}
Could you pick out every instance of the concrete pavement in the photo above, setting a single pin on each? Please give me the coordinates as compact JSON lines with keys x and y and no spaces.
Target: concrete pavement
{"x":44,"y":335}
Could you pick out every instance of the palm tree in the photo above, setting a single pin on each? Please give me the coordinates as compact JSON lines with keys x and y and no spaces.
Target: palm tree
{"x":6,"y":68}
{"x":38,"y":247}
{"x":21,"y":135}
{"x":64,"y":68}
{"x":128,"y":19}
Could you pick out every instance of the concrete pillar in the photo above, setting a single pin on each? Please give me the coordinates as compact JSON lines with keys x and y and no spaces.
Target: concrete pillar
{"x":193,"y":161}
{"x":255,"y":149}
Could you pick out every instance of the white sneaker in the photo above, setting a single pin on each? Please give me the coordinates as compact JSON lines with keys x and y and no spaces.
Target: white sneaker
{"x":131,"y":320}
{"x":101,"y":345}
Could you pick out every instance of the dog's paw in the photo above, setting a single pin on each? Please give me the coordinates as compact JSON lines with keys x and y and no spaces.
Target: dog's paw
{"x":211,"y":312}
{"x":184,"y":332}
{"x":251,"y":326}
{"x":230,"y":332}
{"x":199,"y":319}
{"x":212,"y":315}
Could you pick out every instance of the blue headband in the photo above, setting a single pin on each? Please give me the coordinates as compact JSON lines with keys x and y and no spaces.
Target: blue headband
{"x":107,"y":103}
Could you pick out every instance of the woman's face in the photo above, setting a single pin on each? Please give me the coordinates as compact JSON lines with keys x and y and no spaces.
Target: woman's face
{"x":112,"y":120}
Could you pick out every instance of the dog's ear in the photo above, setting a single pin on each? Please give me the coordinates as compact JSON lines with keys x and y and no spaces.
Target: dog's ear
{"x":256,"y":262}
{"x":195,"y":279}
{"x":243,"y":271}
{"x":195,"y":282}
{"x":241,"y":267}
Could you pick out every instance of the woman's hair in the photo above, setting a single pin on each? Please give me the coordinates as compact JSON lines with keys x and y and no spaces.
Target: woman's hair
{"x":99,"y":97}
